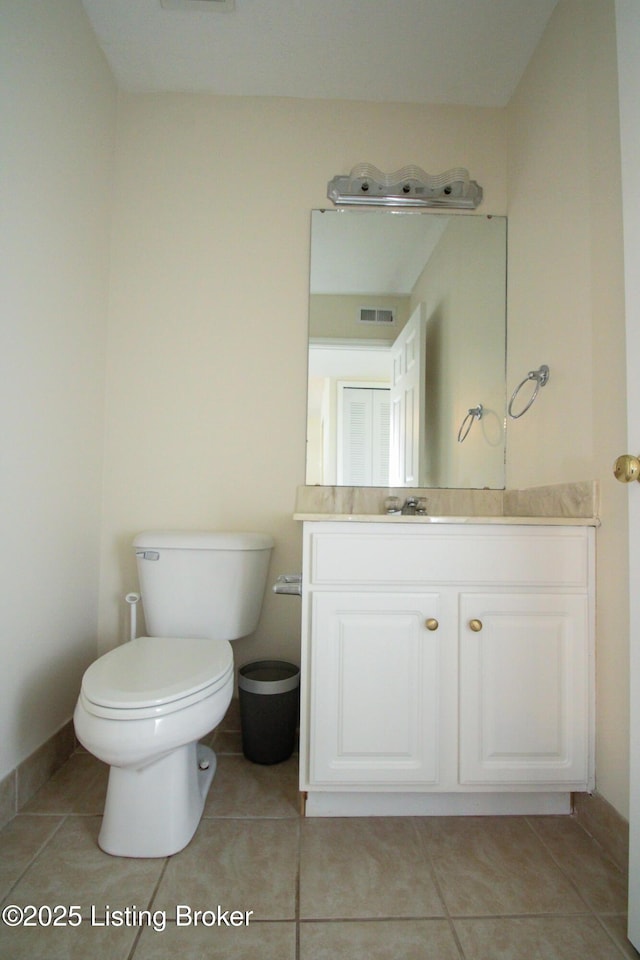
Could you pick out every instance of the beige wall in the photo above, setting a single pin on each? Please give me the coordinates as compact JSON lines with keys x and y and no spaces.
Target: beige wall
{"x":566,"y":310}
{"x":58,"y":126}
{"x":463,"y":288}
{"x":206,"y":405}
{"x":338,"y":315}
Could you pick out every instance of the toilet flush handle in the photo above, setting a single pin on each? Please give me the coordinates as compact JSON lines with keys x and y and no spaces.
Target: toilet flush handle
{"x":147,"y":554}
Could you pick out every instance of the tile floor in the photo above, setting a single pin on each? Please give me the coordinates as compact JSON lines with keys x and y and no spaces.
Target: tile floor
{"x":507,"y":888}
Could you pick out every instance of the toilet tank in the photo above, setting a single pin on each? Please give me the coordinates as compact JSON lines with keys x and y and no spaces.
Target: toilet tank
{"x":203,"y":585}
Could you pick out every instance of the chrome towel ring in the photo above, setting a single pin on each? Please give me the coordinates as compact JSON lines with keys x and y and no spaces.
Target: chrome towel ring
{"x":541,"y":377}
{"x":475,"y":413}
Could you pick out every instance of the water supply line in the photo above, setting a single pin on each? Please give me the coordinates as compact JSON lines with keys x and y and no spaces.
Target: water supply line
{"x":133,"y":599}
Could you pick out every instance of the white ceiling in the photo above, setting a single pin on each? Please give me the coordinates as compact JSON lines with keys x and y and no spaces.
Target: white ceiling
{"x":469,"y":52}
{"x":375,"y":253}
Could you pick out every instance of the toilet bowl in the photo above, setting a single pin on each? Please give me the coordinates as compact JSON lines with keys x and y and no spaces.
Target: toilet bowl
{"x":144,"y":706}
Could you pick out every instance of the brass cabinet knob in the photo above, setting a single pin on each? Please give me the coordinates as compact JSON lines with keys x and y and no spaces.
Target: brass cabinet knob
{"x":476,"y":625}
{"x":432,"y":624}
{"x":627,"y":468}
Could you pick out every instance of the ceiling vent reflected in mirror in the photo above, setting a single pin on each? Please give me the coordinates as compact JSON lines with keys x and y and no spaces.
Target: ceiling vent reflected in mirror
{"x":376,"y":315}
{"x":407,"y":187}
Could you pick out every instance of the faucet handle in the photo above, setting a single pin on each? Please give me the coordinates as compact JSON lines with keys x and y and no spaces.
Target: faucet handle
{"x":415,"y":506}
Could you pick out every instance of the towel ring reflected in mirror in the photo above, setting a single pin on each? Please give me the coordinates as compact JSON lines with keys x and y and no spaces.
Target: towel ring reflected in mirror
{"x":475,"y":413}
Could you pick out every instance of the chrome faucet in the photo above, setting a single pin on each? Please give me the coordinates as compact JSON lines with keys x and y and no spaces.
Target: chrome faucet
{"x":414,"y":506}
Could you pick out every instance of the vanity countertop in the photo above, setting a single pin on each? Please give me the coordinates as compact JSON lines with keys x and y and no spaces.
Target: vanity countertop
{"x":566,"y":504}
{"x":395,"y":518}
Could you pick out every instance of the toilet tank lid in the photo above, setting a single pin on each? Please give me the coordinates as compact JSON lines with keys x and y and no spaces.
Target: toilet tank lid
{"x":201,"y":540}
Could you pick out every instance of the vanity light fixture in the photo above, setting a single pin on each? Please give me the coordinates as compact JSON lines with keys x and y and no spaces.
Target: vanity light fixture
{"x":408,"y":187}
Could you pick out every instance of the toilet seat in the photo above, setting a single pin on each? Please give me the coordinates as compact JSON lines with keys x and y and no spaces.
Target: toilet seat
{"x":155,"y":676}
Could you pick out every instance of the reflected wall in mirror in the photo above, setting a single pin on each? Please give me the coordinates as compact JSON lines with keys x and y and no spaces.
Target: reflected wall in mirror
{"x":407,"y":334}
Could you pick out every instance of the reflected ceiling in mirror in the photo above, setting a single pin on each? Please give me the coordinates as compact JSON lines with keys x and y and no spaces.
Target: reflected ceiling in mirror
{"x":407,"y":335}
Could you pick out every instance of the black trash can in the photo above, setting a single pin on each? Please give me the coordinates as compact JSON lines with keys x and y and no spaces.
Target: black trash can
{"x":269,"y":693}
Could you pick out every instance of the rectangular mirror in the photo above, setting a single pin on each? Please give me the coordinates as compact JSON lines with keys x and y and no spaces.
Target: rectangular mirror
{"x":407,"y":336}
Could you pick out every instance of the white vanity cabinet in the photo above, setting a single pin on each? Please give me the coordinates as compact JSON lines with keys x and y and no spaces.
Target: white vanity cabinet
{"x":376,"y":679}
{"x":446,"y":667}
{"x":523,"y":689}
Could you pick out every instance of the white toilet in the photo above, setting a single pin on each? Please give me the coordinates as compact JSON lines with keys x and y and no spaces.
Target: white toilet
{"x":144,"y":705}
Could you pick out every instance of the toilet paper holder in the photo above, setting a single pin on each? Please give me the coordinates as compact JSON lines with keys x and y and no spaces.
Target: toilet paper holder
{"x":289,"y":583}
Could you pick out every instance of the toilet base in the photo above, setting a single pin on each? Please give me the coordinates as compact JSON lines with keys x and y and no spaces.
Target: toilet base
{"x":154,"y":811}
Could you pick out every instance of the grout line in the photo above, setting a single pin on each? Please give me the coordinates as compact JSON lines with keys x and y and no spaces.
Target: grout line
{"x":610,"y":936}
{"x":547,"y":849}
{"x":99,"y":773}
{"x":134,"y":945}
{"x":423,"y":844}
{"x":297,"y":897}
{"x":412,"y":918}
{"x":564,"y":915}
{"x":604,"y":851}
{"x":41,"y":848}
{"x":558,"y":863}
{"x":136,"y":941}
{"x":66,"y":802}
{"x":154,"y":892}
{"x":596,"y":843}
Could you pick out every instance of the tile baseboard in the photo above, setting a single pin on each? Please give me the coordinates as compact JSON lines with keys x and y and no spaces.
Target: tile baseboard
{"x":19,"y":786}
{"x":604,"y":824}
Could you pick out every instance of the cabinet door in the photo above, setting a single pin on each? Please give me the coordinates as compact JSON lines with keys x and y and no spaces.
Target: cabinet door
{"x":524,"y":704}
{"x":375,"y":668}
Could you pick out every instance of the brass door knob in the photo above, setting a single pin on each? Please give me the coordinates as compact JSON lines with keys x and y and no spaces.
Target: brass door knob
{"x":475,"y":625}
{"x":627,"y":468}
{"x":432,"y":624}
